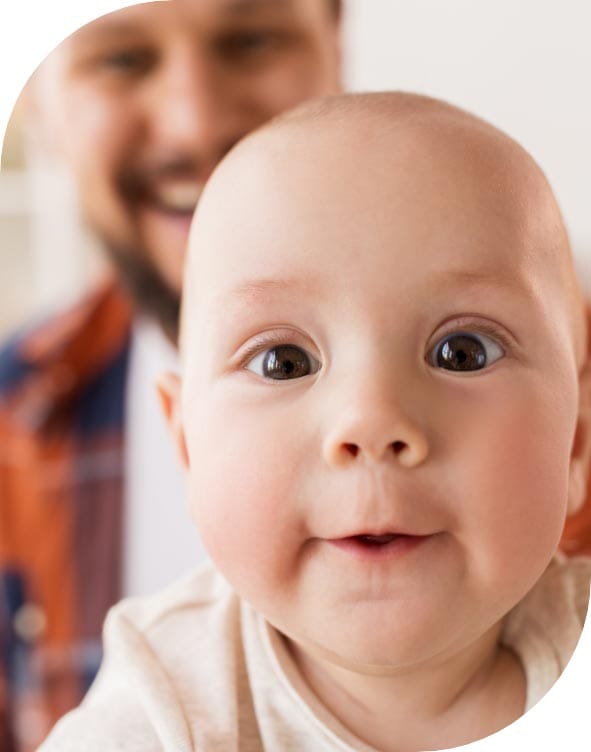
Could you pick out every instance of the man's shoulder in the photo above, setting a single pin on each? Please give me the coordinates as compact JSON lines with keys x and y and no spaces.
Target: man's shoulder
{"x":64,"y":360}
{"x":14,"y":366}
{"x":100,"y":319}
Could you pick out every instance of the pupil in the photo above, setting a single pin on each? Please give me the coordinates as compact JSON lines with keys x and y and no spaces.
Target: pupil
{"x":286,"y":362}
{"x":461,"y":352}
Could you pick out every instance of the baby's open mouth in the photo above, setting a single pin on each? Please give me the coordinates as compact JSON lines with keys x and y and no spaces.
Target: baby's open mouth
{"x":375,"y":540}
{"x":369,"y":546}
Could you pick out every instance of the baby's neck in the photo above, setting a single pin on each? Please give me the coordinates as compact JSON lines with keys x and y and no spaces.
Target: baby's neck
{"x":443,"y":704}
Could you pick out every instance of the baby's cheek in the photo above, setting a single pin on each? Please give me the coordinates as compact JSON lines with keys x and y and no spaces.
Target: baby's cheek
{"x":243,"y":495}
{"x":523,"y":477}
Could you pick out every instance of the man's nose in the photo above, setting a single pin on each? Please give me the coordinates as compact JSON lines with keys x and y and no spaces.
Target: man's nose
{"x":375,"y":425}
{"x":192,"y":109}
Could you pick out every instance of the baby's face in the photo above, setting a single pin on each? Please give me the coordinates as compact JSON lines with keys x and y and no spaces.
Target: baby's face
{"x":379,"y":394}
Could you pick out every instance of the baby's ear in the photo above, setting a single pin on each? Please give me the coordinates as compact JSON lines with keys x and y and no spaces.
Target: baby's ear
{"x":169,"y":391}
{"x":581,"y":452}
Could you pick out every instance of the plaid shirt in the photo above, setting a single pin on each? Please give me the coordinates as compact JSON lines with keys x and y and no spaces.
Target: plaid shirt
{"x":61,"y":445}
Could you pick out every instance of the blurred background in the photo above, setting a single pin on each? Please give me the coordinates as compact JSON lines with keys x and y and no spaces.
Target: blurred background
{"x":525,"y":66}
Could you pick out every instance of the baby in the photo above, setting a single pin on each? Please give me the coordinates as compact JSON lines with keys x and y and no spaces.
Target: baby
{"x":384,"y":416}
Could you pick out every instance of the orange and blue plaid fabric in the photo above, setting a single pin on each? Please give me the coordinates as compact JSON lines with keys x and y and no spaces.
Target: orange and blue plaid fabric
{"x":61,"y":445}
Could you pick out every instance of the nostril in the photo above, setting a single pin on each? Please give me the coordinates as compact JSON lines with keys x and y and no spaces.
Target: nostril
{"x":353,"y":449}
{"x":398,"y":446}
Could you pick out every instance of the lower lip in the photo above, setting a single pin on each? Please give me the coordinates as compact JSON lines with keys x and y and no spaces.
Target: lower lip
{"x":397,"y":547}
{"x":180,"y":220}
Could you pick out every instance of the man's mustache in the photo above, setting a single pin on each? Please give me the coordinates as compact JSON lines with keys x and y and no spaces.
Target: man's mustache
{"x":176,"y":166}
{"x":136,"y":181}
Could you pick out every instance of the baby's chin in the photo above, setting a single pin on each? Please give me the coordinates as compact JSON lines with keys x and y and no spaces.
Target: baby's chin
{"x":367,"y":653}
{"x":362,"y":662}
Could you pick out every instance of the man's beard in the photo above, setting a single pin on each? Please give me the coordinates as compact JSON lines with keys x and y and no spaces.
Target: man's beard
{"x":148,"y":290}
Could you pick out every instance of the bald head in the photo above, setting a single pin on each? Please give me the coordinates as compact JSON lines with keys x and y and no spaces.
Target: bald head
{"x":417,"y":179}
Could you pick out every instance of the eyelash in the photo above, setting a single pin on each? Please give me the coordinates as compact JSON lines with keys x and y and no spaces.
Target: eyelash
{"x":265,"y":342}
{"x":472,"y":327}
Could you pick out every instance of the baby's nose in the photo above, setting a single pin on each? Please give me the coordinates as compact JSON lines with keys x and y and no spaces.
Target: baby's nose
{"x":381,"y":436}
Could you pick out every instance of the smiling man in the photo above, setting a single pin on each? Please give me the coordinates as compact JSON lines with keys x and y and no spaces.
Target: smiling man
{"x":140,"y":106}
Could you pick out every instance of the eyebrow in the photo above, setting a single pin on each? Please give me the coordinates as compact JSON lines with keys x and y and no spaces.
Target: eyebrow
{"x":483,"y":278}
{"x":256,"y":290}
{"x":110,"y":25}
{"x":245,"y":7}
{"x":105,"y":29}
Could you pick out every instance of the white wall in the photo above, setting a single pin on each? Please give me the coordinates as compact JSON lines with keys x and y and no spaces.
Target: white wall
{"x":524,"y":65}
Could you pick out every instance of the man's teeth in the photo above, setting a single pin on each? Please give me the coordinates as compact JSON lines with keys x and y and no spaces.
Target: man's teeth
{"x":180,"y":196}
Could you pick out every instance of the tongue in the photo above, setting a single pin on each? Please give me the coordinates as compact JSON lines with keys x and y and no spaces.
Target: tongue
{"x":376,"y":540}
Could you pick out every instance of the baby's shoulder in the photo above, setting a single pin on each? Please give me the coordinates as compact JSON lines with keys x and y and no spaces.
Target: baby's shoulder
{"x":575,"y":576}
{"x":195,"y":596}
{"x":155,"y":682}
{"x":186,"y":624}
{"x":562,"y":593}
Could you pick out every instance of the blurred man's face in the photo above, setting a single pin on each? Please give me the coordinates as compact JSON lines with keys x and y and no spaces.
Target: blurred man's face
{"x":144,"y":102}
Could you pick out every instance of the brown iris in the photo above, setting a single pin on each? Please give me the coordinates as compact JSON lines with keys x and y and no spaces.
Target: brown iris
{"x":286,"y":362}
{"x":461,"y":352}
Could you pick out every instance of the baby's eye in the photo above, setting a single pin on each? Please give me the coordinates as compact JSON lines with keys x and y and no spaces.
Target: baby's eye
{"x":463,"y":351}
{"x":283,"y":362}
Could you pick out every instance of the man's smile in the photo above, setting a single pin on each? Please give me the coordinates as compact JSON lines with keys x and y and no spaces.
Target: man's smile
{"x":167,"y":195}
{"x":178,"y":196}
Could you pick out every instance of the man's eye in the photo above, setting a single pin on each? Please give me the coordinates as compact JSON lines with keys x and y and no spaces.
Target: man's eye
{"x":247,"y":43}
{"x":283,"y":362}
{"x":464,"y":351}
{"x":127,"y":61}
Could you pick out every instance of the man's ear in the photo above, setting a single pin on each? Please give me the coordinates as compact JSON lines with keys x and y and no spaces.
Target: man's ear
{"x":169,"y":392}
{"x":580,"y":464}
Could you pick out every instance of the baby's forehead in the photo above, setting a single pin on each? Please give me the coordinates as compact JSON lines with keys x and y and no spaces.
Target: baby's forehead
{"x":355,"y":153}
{"x":293,"y":195}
